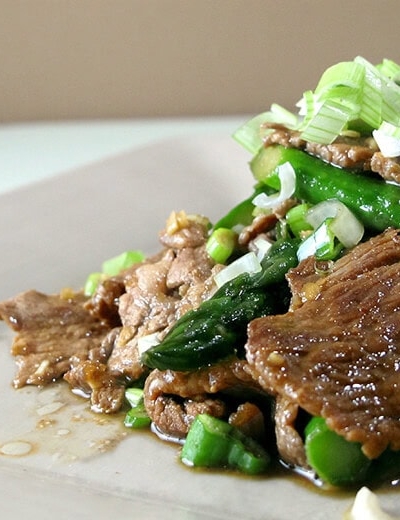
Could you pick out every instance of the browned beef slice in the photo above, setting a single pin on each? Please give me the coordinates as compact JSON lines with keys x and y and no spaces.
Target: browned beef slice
{"x":288,"y":440}
{"x":173,"y":399}
{"x":337,"y":355}
{"x":310,"y":275}
{"x":157,"y":294}
{"x":104,"y":302}
{"x":387,"y":167}
{"x":93,"y":379}
{"x":51,"y":330}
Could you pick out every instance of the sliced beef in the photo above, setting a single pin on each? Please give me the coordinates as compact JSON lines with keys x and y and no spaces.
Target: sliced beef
{"x":53,"y":332}
{"x":288,"y":440}
{"x":309,"y":276}
{"x":103,"y":305}
{"x":337,"y":354}
{"x":157,"y":293}
{"x":93,"y":380}
{"x":361,"y":153}
{"x":173,"y":399}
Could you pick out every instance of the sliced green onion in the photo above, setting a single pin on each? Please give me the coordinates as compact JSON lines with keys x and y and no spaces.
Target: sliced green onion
{"x":134,"y":396}
{"x":334,"y":459}
{"x":371,"y":105}
{"x":262,"y":246}
{"x":353,"y":95}
{"x":137,"y":416}
{"x":387,"y":137}
{"x":322,"y":243}
{"x":248,"y":263}
{"x":348,"y":74}
{"x":389,"y":68}
{"x":251,"y":134}
{"x":115,"y":265}
{"x":296,"y":219}
{"x":221,"y":244}
{"x":92,"y":283}
{"x":287,"y":178}
{"x":344,"y":224}
{"x":213,"y":443}
{"x":328,"y":120}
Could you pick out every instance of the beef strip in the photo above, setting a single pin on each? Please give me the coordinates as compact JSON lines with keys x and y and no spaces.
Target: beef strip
{"x":157,"y":293}
{"x":361,"y":153}
{"x":173,"y":399}
{"x":337,"y":354}
{"x":288,"y":440}
{"x":53,"y":332}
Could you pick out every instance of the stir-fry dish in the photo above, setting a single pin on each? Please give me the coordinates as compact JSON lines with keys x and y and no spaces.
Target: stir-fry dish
{"x":270,"y":338}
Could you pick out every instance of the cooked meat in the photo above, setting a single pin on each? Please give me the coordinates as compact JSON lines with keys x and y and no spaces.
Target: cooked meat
{"x":51,"y":331}
{"x":183,"y":230}
{"x":387,"y":167}
{"x":103,"y":305}
{"x":250,"y":420}
{"x":361,"y":154}
{"x":288,"y":440}
{"x":93,"y":342}
{"x":337,"y":355}
{"x":94,"y":380}
{"x":306,"y":279}
{"x":173,"y":399}
{"x":158,"y":292}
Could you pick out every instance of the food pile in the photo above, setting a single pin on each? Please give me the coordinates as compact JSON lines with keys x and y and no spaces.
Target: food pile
{"x":270,"y":336}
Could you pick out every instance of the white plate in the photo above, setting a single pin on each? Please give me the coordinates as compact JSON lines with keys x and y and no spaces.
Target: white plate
{"x":81,"y":466}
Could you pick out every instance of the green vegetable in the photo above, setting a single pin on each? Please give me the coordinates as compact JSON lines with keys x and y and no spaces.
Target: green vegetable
{"x":322,"y":243}
{"x":335,"y":460}
{"x":350,"y":95}
{"x":218,"y":327}
{"x":112,"y":267}
{"x":115,"y":265}
{"x":91,"y":284}
{"x":296,"y":219}
{"x":221,"y":244}
{"x":242,"y":214}
{"x":137,"y":416}
{"x":213,"y":443}
{"x":374,"y":202}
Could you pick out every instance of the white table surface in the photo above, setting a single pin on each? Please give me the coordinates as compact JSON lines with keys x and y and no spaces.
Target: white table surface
{"x":30,"y":152}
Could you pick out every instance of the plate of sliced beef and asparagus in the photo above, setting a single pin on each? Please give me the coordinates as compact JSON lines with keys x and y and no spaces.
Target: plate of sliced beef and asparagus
{"x":250,"y":362}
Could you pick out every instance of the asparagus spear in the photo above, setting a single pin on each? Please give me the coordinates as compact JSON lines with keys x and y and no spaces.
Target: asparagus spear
{"x":218,"y":327}
{"x":375,"y":202}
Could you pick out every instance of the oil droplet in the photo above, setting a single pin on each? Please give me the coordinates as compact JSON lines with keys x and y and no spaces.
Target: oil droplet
{"x":50,"y":408}
{"x":63,"y":431}
{"x":16,"y":448}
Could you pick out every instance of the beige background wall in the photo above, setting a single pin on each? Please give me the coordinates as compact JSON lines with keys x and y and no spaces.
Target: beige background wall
{"x":127,"y":58}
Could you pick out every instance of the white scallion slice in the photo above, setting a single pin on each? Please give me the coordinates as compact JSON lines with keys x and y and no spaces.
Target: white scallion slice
{"x":262,"y":246}
{"x":348,"y":74}
{"x":287,"y":178}
{"x":328,"y":121}
{"x":387,"y":137}
{"x":345,"y":225}
{"x":148,"y":341}
{"x":248,"y":263}
{"x":389,"y":68}
{"x":252,"y":133}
